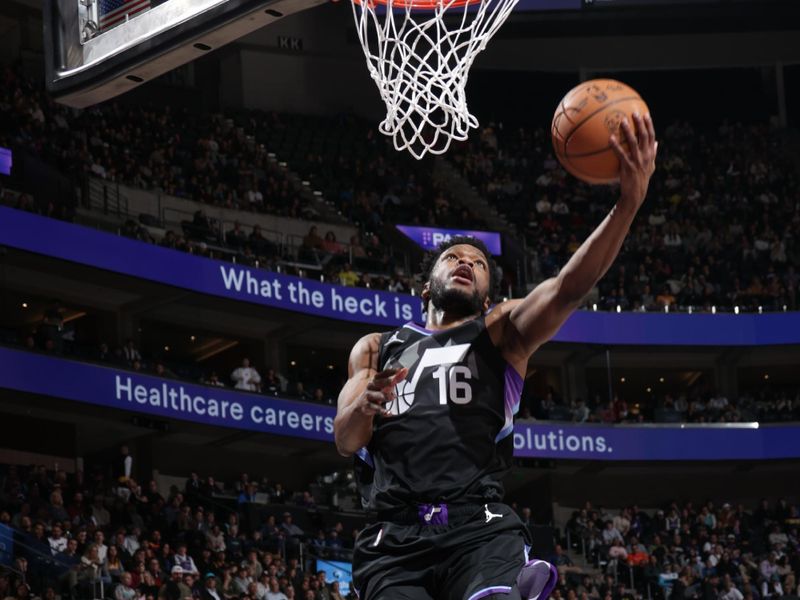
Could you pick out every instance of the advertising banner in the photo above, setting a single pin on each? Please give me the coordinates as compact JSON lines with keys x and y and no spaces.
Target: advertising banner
{"x":86,"y":246}
{"x":429,"y":238}
{"x":166,"y":398}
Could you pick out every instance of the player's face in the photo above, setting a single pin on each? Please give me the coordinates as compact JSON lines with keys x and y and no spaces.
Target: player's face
{"x":460,"y":281}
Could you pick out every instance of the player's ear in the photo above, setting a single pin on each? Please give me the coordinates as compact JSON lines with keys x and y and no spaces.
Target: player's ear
{"x":487,"y":302}
{"x":425,"y":293}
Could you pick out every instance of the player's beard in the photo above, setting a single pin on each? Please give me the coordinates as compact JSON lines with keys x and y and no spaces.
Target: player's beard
{"x":455,"y":302}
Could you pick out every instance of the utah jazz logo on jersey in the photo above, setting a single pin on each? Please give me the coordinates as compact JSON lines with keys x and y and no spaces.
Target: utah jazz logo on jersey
{"x":452,"y":378}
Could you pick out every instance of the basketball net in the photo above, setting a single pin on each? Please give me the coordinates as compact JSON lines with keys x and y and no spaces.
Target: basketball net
{"x":419,"y":53}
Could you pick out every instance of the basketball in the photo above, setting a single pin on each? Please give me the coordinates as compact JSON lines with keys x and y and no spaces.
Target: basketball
{"x":583,"y":123}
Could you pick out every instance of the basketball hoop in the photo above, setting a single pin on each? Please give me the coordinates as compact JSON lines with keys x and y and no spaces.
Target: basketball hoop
{"x":419,"y":53}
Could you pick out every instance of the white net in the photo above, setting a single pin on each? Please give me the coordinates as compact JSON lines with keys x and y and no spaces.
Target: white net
{"x":420,"y":56}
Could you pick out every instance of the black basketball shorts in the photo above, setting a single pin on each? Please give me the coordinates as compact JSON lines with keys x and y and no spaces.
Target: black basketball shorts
{"x":456,"y":552}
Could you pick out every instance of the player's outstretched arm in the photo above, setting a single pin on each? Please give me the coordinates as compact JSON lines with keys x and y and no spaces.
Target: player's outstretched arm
{"x":537,"y":317}
{"x":363,"y":396}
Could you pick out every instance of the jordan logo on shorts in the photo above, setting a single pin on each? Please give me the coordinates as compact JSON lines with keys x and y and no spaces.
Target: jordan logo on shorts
{"x":489,"y":514}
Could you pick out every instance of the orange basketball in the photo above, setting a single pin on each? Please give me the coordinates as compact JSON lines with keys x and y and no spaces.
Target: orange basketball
{"x":583,"y":123}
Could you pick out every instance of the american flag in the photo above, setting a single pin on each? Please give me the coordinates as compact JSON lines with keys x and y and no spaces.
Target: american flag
{"x":113,"y":12}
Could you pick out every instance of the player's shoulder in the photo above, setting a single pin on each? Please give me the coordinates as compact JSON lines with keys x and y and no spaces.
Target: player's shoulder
{"x":498,"y":315}
{"x":497,"y":324}
{"x":368,"y":343}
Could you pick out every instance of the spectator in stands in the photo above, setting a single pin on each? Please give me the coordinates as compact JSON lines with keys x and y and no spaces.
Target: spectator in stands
{"x":272,"y":384}
{"x":124,"y":591}
{"x":184,"y":561}
{"x":175,"y":588}
{"x":330,"y":245}
{"x":274,"y":592}
{"x":100,"y":516}
{"x":611,"y":534}
{"x":236,"y":237}
{"x":99,"y":543}
{"x":213,"y":379}
{"x":347,"y":276}
{"x":210,"y":588}
{"x":246,"y":377}
{"x":57,"y":541}
{"x":130,"y":353}
{"x":312,"y":241}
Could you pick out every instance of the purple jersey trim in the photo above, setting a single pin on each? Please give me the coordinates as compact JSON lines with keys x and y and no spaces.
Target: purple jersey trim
{"x":511,"y":399}
{"x":419,"y":328}
{"x":364,"y":455}
{"x":496,"y":589}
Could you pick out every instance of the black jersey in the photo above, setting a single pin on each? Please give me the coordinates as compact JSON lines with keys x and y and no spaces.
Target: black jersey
{"x":449,"y":437}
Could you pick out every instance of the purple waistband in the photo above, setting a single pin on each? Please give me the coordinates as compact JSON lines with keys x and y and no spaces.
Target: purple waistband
{"x":433,"y":514}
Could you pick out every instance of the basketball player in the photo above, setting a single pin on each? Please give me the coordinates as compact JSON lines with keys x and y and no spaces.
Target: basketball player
{"x":429,"y":413}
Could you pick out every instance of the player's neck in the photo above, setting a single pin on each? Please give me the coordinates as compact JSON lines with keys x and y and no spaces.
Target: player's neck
{"x":440,"y":319}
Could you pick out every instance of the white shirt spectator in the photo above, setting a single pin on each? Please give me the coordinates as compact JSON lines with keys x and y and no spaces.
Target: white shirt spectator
{"x":131,"y":544}
{"x":102,"y":552}
{"x":718,"y":403}
{"x":255,"y":197}
{"x":560,"y":207}
{"x":776,"y":538}
{"x":731,"y":594}
{"x":543,"y":206}
{"x":246,"y":377}
{"x":610,"y":535}
{"x":130,"y":352}
{"x":58,"y":544}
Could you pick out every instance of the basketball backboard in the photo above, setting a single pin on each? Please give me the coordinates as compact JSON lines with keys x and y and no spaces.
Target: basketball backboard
{"x":98,"y":49}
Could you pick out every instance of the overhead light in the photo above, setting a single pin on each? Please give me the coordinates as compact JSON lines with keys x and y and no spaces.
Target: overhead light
{"x":24,"y":305}
{"x":622,"y":380}
{"x":293,"y":363}
{"x":766,"y":375}
{"x":649,"y":390}
{"x":330,"y":367}
{"x":661,"y":379}
{"x":166,"y":348}
{"x":192,"y":338}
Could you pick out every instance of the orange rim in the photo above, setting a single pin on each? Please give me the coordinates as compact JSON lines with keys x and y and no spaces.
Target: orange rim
{"x":421,"y":4}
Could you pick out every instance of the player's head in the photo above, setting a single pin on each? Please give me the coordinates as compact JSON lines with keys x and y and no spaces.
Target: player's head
{"x":460,"y":277}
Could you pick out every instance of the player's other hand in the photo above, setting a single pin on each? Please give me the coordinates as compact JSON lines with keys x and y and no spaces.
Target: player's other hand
{"x":638,"y":163}
{"x":380,"y":391}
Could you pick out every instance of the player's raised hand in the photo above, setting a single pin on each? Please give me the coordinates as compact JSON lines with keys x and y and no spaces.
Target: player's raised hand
{"x":638,"y":163}
{"x":380,"y":391}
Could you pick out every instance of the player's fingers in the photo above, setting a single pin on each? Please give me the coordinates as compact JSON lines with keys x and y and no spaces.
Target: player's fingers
{"x":643,"y":134}
{"x":630,"y":137}
{"x":382,"y":379}
{"x":651,"y":129}
{"x":379,"y":398}
{"x":399,"y":376}
{"x":624,"y":159}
